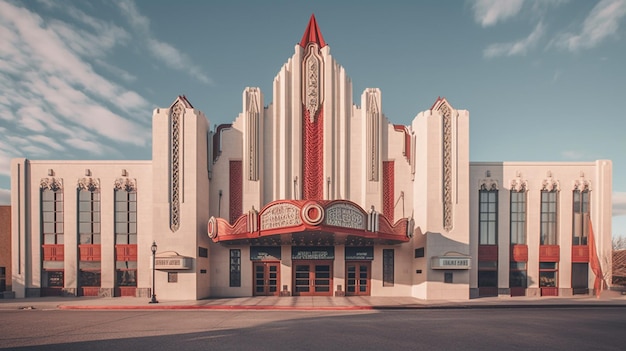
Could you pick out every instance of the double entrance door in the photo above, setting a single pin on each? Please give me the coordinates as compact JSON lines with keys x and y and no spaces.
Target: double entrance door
{"x":266,"y":278}
{"x":358,"y":278}
{"x":312,"y":278}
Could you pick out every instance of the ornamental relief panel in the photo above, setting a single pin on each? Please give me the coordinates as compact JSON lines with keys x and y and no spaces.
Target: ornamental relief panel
{"x":176,"y":113}
{"x":89,"y":184}
{"x":312,"y":82}
{"x":280,"y":215}
{"x":582,"y":184}
{"x":346,"y":216}
{"x":488,"y":184}
{"x":518,"y":184}
{"x":550,"y":184}
{"x":53,"y":184}
{"x":124,"y":183}
{"x":444,"y":109}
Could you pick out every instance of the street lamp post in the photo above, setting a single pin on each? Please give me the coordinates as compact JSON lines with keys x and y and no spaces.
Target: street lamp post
{"x":154,"y":249}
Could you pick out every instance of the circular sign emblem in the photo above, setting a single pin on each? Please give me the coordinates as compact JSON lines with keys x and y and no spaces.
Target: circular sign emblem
{"x":212,"y":228}
{"x":312,"y":213}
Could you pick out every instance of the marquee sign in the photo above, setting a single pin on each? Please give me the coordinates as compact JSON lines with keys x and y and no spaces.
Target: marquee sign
{"x":260,"y":253}
{"x":360,"y":253}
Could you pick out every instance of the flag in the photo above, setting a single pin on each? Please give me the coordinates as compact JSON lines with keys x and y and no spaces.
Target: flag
{"x":594,"y":262}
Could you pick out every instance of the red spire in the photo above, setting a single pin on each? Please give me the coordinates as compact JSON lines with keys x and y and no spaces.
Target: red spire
{"x":312,"y":34}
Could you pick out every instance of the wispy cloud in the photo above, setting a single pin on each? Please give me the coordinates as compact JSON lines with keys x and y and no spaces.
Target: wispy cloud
{"x":490,"y":12}
{"x":602,"y":22}
{"x":573,"y":155}
{"x":520,"y":47}
{"x":166,"y":53}
{"x":619,"y":204}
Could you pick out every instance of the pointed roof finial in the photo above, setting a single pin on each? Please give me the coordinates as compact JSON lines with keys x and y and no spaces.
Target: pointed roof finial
{"x":312,"y":34}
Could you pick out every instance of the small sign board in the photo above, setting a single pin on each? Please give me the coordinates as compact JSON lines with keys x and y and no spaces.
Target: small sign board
{"x":264,"y":253}
{"x":312,"y":252}
{"x":451,"y":262}
{"x":174,"y":262}
{"x":359,"y":253}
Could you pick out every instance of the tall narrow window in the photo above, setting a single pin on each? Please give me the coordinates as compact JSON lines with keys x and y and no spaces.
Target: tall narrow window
{"x":235,"y":268}
{"x":52,"y":216}
{"x":580,"y":210}
{"x":125,"y":238}
{"x":89,"y":216}
{"x":488,"y":217}
{"x":518,"y":217}
{"x":125,"y":216}
{"x":548,"y":217}
{"x":388,"y":267}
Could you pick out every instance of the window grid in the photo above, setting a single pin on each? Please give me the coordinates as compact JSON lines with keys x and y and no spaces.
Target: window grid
{"x":89,"y":216}
{"x":235,"y":268}
{"x":518,"y":217}
{"x":580,"y":225}
{"x":488,"y":217}
{"x":52,"y":216}
{"x":125,"y":217}
{"x":548,"y":217}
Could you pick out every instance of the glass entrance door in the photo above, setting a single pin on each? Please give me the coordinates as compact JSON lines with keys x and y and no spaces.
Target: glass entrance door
{"x":358,"y":278}
{"x":313,"y":278}
{"x":266,"y":278}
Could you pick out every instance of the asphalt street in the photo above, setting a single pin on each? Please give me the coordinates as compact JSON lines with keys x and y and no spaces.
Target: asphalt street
{"x":574,"y":328}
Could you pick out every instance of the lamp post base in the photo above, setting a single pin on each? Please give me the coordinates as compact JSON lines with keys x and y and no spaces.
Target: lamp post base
{"x":153,"y":299}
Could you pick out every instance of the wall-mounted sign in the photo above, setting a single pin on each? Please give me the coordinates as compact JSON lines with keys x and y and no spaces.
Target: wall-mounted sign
{"x":173,"y":262}
{"x":359,"y":253}
{"x":451,"y":262}
{"x":312,"y":252}
{"x":260,"y":253}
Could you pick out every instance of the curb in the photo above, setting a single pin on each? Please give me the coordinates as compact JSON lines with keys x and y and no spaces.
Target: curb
{"x":333,"y":308}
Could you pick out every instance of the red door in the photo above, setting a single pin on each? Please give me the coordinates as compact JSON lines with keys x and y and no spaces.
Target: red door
{"x":358,"y":278}
{"x":312,"y":278}
{"x":266,"y":278}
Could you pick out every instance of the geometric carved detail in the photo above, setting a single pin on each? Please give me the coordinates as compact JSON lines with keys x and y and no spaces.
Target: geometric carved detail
{"x":312,"y":80}
{"x":518,"y":184}
{"x":89,"y":184}
{"x":252,"y":132}
{"x":388,"y":190}
{"x":53,"y":184}
{"x":550,"y":184}
{"x":176,"y":113}
{"x":124,"y":183}
{"x":373,"y":133}
{"x":488,"y":184}
{"x":446,"y":113}
{"x":582,"y":184}
{"x":313,"y":156}
{"x":235,"y":190}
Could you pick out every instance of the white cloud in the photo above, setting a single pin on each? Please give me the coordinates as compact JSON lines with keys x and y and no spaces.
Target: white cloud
{"x":48,"y":85}
{"x":166,"y":53}
{"x":519,"y":47}
{"x":490,"y":12}
{"x":5,"y":196}
{"x":602,"y":22}
{"x":619,"y":204}
{"x":572,"y":155}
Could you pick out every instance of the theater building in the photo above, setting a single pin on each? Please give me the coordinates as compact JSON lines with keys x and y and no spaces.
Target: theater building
{"x":308,"y":194}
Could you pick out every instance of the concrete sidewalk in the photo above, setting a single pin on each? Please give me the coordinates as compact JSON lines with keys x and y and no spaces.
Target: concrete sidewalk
{"x":301,"y":303}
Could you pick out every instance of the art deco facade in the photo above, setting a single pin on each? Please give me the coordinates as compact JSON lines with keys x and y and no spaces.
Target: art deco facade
{"x":309,"y":194}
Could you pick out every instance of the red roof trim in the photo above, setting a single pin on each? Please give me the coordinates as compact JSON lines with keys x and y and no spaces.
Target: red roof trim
{"x":312,"y":34}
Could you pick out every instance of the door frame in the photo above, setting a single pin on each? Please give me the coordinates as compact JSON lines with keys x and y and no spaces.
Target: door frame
{"x":357,"y":271}
{"x":265,"y":264}
{"x":312,"y":277}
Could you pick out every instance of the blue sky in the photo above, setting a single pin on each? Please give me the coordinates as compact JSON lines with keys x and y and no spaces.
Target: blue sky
{"x":543,"y":80}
